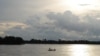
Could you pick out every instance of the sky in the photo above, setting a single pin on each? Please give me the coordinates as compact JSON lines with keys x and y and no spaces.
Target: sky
{"x":50,"y":19}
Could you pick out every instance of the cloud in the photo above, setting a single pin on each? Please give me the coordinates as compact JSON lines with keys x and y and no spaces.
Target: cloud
{"x":74,"y":27}
{"x":84,"y":4}
{"x":56,"y":26}
{"x":9,"y":25}
{"x":68,"y":21}
{"x":5,"y":26}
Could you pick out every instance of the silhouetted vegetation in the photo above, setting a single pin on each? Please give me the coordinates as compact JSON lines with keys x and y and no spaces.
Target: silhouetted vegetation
{"x":18,"y":40}
{"x":11,"y":40}
{"x":35,"y":41}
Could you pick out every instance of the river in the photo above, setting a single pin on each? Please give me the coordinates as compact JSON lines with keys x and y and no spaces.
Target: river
{"x":42,"y":50}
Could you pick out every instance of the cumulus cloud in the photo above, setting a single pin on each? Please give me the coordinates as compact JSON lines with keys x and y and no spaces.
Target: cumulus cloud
{"x":73,"y":25}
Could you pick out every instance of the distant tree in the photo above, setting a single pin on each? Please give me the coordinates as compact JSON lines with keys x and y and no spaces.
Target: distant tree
{"x":45,"y":39}
{"x":1,"y":38}
{"x":19,"y":39}
{"x":9,"y":38}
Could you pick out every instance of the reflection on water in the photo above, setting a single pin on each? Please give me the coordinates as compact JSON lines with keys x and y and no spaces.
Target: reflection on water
{"x":42,"y":50}
{"x":79,"y":50}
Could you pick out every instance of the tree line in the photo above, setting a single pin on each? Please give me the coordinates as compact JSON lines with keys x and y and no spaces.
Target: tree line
{"x":19,"y":40}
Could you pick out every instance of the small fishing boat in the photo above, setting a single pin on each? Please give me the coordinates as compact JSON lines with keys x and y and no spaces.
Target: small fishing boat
{"x":51,"y":49}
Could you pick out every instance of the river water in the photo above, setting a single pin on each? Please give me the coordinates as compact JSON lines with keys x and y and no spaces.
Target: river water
{"x":42,"y":50}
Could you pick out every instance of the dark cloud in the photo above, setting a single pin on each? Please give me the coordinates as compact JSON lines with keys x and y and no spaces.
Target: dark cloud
{"x":72,"y":23}
{"x":68,"y":21}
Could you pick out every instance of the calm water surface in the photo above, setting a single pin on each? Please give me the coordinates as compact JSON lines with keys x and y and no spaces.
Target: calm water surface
{"x":42,"y":50}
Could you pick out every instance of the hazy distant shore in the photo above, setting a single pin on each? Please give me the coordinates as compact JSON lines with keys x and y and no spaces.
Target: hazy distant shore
{"x":12,"y":40}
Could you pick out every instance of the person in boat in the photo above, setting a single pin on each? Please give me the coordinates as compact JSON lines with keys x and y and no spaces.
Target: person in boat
{"x":51,"y":49}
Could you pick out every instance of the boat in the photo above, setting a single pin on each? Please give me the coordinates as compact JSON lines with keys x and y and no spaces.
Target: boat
{"x":51,"y":49}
